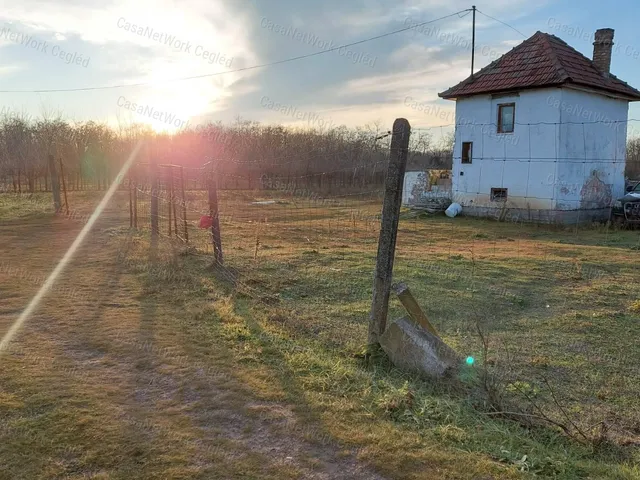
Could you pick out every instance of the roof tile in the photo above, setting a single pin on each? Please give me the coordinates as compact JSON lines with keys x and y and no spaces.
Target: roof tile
{"x":542,"y":60}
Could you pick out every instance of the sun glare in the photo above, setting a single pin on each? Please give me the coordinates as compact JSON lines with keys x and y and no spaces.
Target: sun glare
{"x":175,"y":107}
{"x":167,"y":106}
{"x":176,"y":104}
{"x":53,"y":276}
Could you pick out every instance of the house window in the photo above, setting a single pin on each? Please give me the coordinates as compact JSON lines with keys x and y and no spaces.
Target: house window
{"x":499,"y":194}
{"x":506,"y":117}
{"x":467,"y":151}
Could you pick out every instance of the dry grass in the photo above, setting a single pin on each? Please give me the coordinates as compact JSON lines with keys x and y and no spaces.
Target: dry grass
{"x":151,"y":365}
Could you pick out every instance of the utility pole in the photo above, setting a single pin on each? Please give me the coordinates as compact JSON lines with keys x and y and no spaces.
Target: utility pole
{"x":473,"y":39}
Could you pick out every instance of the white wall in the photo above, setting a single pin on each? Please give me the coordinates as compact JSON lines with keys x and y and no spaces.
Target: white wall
{"x":502,"y":160}
{"x":416,"y":189}
{"x":592,"y":150}
{"x":415,"y":185}
{"x":542,"y":164}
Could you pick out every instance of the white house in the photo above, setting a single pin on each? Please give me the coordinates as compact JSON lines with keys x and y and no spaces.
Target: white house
{"x":541,"y":133}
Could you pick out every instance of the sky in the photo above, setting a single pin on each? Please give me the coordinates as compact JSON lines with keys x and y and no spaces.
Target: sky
{"x":76,"y":44}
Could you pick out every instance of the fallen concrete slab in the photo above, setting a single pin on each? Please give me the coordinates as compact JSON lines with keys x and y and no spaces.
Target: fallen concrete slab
{"x":414,"y":349}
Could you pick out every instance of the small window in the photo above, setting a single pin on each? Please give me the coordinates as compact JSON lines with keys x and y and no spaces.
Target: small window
{"x":506,"y":117}
{"x":499,"y":194}
{"x":467,"y":152}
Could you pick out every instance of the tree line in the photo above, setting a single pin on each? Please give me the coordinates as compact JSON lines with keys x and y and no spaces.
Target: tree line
{"x":243,"y":154}
{"x":632,"y":170}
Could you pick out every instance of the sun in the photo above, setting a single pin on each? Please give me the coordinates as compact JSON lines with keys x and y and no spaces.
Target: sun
{"x":170,"y":110}
{"x":169,"y":106}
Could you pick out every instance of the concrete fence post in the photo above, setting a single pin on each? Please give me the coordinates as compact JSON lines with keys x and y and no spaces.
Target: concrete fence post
{"x":388,"y":230}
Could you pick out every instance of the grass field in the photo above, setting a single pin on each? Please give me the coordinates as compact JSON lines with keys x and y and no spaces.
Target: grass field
{"x":143,"y":362}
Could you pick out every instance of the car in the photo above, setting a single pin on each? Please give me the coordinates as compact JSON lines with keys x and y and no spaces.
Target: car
{"x":626,"y":210}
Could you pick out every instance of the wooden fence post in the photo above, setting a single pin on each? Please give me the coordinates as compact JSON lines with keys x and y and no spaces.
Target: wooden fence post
{"x":64,"y":186}
{"x":155,"y":228}
{"x":55,"y":183}
{"x":215,"y":219}
{"x":184,"y":206}
{"x":388,"y":230}
{"x":173,"y":204}
{"x":135,"y":196}
{"x":130,"y":200}
{"x":170,"y":179}
{"x":413,"y":308}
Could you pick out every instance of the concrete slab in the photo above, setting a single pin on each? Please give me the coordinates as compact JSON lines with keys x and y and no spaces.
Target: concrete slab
{"x":412,"y":348}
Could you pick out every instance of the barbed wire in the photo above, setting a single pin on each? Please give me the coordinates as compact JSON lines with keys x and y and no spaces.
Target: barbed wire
{"x":469,"y":124}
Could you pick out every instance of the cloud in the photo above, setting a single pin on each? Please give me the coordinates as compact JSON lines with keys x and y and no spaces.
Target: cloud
{"x":213,"y":25}
{"x":511,"y":43}
{"x":192,"y":38}
{"x":392,"y":86}
{"x":9,"y":69}
{"x":428,"y":71}
{"x":367,"y":15}
{"x":407,"y":64}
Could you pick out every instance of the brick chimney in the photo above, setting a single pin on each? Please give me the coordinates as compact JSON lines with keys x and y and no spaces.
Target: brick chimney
{"x":602,"y":48}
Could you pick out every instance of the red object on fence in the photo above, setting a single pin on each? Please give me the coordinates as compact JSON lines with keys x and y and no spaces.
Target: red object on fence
{"x":205,"y":221}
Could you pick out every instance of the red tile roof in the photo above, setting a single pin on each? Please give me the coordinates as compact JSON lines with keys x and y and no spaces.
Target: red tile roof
{"x":543,"y":60}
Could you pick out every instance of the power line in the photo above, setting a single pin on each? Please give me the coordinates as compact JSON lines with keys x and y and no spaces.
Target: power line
{"x":503,"y":23}
{"x":244,"y":69}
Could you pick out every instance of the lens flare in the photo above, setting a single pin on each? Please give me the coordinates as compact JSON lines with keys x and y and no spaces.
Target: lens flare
{"x":35,"y":301}
{"x":470,"y":360}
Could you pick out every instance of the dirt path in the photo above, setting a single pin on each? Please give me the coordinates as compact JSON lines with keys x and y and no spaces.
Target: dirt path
{"x":112,"y":378}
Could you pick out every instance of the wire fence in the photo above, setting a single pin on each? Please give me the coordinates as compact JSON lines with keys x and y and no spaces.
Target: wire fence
{"x":305,"y":207}
{"x":526,"y":299}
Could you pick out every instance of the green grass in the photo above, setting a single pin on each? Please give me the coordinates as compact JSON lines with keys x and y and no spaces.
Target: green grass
{"x":114,"y":387}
